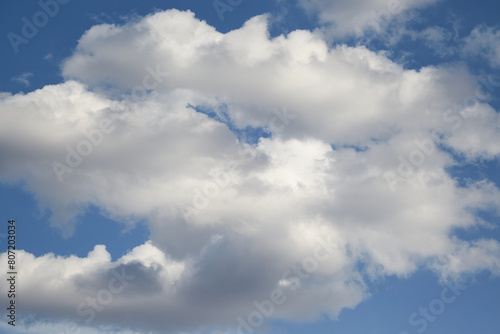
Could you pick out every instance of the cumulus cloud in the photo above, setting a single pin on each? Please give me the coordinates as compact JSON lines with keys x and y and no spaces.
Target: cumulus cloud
{"x":232,"y":221}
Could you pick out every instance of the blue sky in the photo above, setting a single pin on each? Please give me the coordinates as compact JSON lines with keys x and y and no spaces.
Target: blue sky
{"x":214,"y":150}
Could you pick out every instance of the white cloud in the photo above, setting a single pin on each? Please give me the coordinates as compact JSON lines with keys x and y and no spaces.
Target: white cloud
{"x":258,"y":210}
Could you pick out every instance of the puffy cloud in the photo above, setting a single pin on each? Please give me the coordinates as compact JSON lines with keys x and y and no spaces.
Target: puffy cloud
{"x":351,"y":172}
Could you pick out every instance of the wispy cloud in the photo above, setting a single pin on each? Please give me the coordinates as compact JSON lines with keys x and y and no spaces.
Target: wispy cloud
{"x":23,"y":79}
